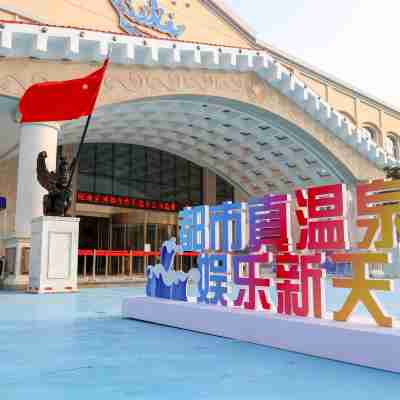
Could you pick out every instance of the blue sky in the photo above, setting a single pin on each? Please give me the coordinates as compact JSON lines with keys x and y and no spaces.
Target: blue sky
{"x":354,"y":40}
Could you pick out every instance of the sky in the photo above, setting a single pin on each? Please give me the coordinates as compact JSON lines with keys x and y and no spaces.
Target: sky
{"x":353,"y":40}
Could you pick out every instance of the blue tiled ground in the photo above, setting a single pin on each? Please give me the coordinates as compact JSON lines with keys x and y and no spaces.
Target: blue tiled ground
{"x":77,"y":347}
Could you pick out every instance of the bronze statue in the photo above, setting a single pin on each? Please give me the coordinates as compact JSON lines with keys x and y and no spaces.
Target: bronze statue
{"x":58,"y":201}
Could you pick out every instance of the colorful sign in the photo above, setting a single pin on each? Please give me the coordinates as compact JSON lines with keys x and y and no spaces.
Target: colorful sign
{"x":236,"y":240}
{"x":147,"y":13}
{"x":3,"y":203}
{"x":126,"y":202}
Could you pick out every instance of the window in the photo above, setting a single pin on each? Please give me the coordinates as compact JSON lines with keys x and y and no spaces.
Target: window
{"x":225,"y":191}
{"x":370,"y":133}
{"x":392,"y":145}
{"x":140,"y":172}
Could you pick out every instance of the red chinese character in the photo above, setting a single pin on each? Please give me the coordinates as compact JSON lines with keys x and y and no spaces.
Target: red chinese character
{"x":81,"y":196}
{"x":293,"y":287}
{"x":97,"y":198}
{"x":105,"y":199}
{"x":269,"y":223}
{"x":126,"y":202}
{"x":252,"y":280}
{"x":113,"y":200}
{"x":89,"y":197}
{"x":322,"y":218}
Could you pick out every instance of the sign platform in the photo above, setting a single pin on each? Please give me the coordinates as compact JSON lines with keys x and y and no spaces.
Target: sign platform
{"x":356,"y":343}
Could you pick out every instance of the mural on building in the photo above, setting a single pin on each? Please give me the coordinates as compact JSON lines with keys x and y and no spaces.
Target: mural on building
{"x":147,"y":13}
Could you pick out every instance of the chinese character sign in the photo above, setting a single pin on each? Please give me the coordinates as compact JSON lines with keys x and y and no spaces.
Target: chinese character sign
{"x":257,"y":256}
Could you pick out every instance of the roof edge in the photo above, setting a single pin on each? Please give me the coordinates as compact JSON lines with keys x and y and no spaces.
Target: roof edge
{"x":20,"y":13}
{"x":327,"y":77}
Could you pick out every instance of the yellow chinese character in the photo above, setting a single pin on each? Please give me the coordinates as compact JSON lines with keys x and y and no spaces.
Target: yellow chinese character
{"x":361,"y":287}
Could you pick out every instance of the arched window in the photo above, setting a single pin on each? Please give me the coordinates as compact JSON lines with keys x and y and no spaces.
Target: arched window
{"x":392,"y":145}
{"x":348,"y":117}
{"x":370,"y":132}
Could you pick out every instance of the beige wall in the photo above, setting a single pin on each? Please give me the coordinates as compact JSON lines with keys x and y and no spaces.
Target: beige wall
{"x":125,"y":84}
{"x":204,"y":25}
{"x":7,"y":16}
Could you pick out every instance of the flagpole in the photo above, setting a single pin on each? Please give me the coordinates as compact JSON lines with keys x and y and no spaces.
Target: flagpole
{"x":78,"y":153}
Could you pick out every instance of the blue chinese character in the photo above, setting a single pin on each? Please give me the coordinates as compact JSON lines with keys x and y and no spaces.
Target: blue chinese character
{"x":193,"y":228}
{"x":227,"y":227}
{"x":185,"y":222}
{"x":213,"y":278}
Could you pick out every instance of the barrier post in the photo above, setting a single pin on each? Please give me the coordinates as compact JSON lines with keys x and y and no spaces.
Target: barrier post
{"x":84,"y":266}
{"x":94,"y":265}
{"x":3,"y":267}
{"x":130,"y":264}
{"x":106,"y":270}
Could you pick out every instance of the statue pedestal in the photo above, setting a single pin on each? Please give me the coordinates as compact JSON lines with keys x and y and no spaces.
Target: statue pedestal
{"x":54,"y":255}
{"x":15,"y":274}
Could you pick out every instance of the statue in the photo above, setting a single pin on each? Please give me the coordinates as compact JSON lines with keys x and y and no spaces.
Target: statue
{"x":58,"y":201}
{"x":392,"y":172}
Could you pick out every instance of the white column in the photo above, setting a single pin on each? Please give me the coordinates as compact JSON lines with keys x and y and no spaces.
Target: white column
{"x":34,"y":138}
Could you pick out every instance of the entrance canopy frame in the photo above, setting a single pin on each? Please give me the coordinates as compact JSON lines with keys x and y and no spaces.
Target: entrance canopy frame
{"x":253,"y":149}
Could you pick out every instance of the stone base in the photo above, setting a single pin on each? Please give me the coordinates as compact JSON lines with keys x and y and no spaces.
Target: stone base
{"x":356,"y":343}
{"x":15,"y":274}
{"x":54,"y":255}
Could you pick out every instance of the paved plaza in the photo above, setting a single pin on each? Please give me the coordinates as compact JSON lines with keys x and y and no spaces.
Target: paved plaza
{"x":78,"y":347}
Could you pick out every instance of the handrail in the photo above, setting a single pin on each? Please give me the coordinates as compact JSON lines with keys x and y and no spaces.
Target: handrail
{"x":127,"y":253}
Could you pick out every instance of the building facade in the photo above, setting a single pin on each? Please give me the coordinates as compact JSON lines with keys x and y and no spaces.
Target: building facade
{"x":194,"y":109}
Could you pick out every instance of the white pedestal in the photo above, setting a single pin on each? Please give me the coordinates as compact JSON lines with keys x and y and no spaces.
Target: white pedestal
{"x":356,"y":343}
{"x":17,"y":262}
{"x":54,"y":255}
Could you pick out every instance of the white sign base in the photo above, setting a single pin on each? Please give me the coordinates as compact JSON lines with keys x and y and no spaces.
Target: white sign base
{"x":355,"y":343}
{"x":54,"y":255}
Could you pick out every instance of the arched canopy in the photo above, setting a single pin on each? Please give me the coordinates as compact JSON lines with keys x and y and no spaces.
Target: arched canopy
{"x":255,"y":150}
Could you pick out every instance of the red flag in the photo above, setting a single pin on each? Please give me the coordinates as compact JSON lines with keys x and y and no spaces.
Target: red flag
{"x":62,"y":101}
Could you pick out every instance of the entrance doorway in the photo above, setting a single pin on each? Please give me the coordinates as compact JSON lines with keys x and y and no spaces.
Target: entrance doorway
{"x":135,"y":230}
